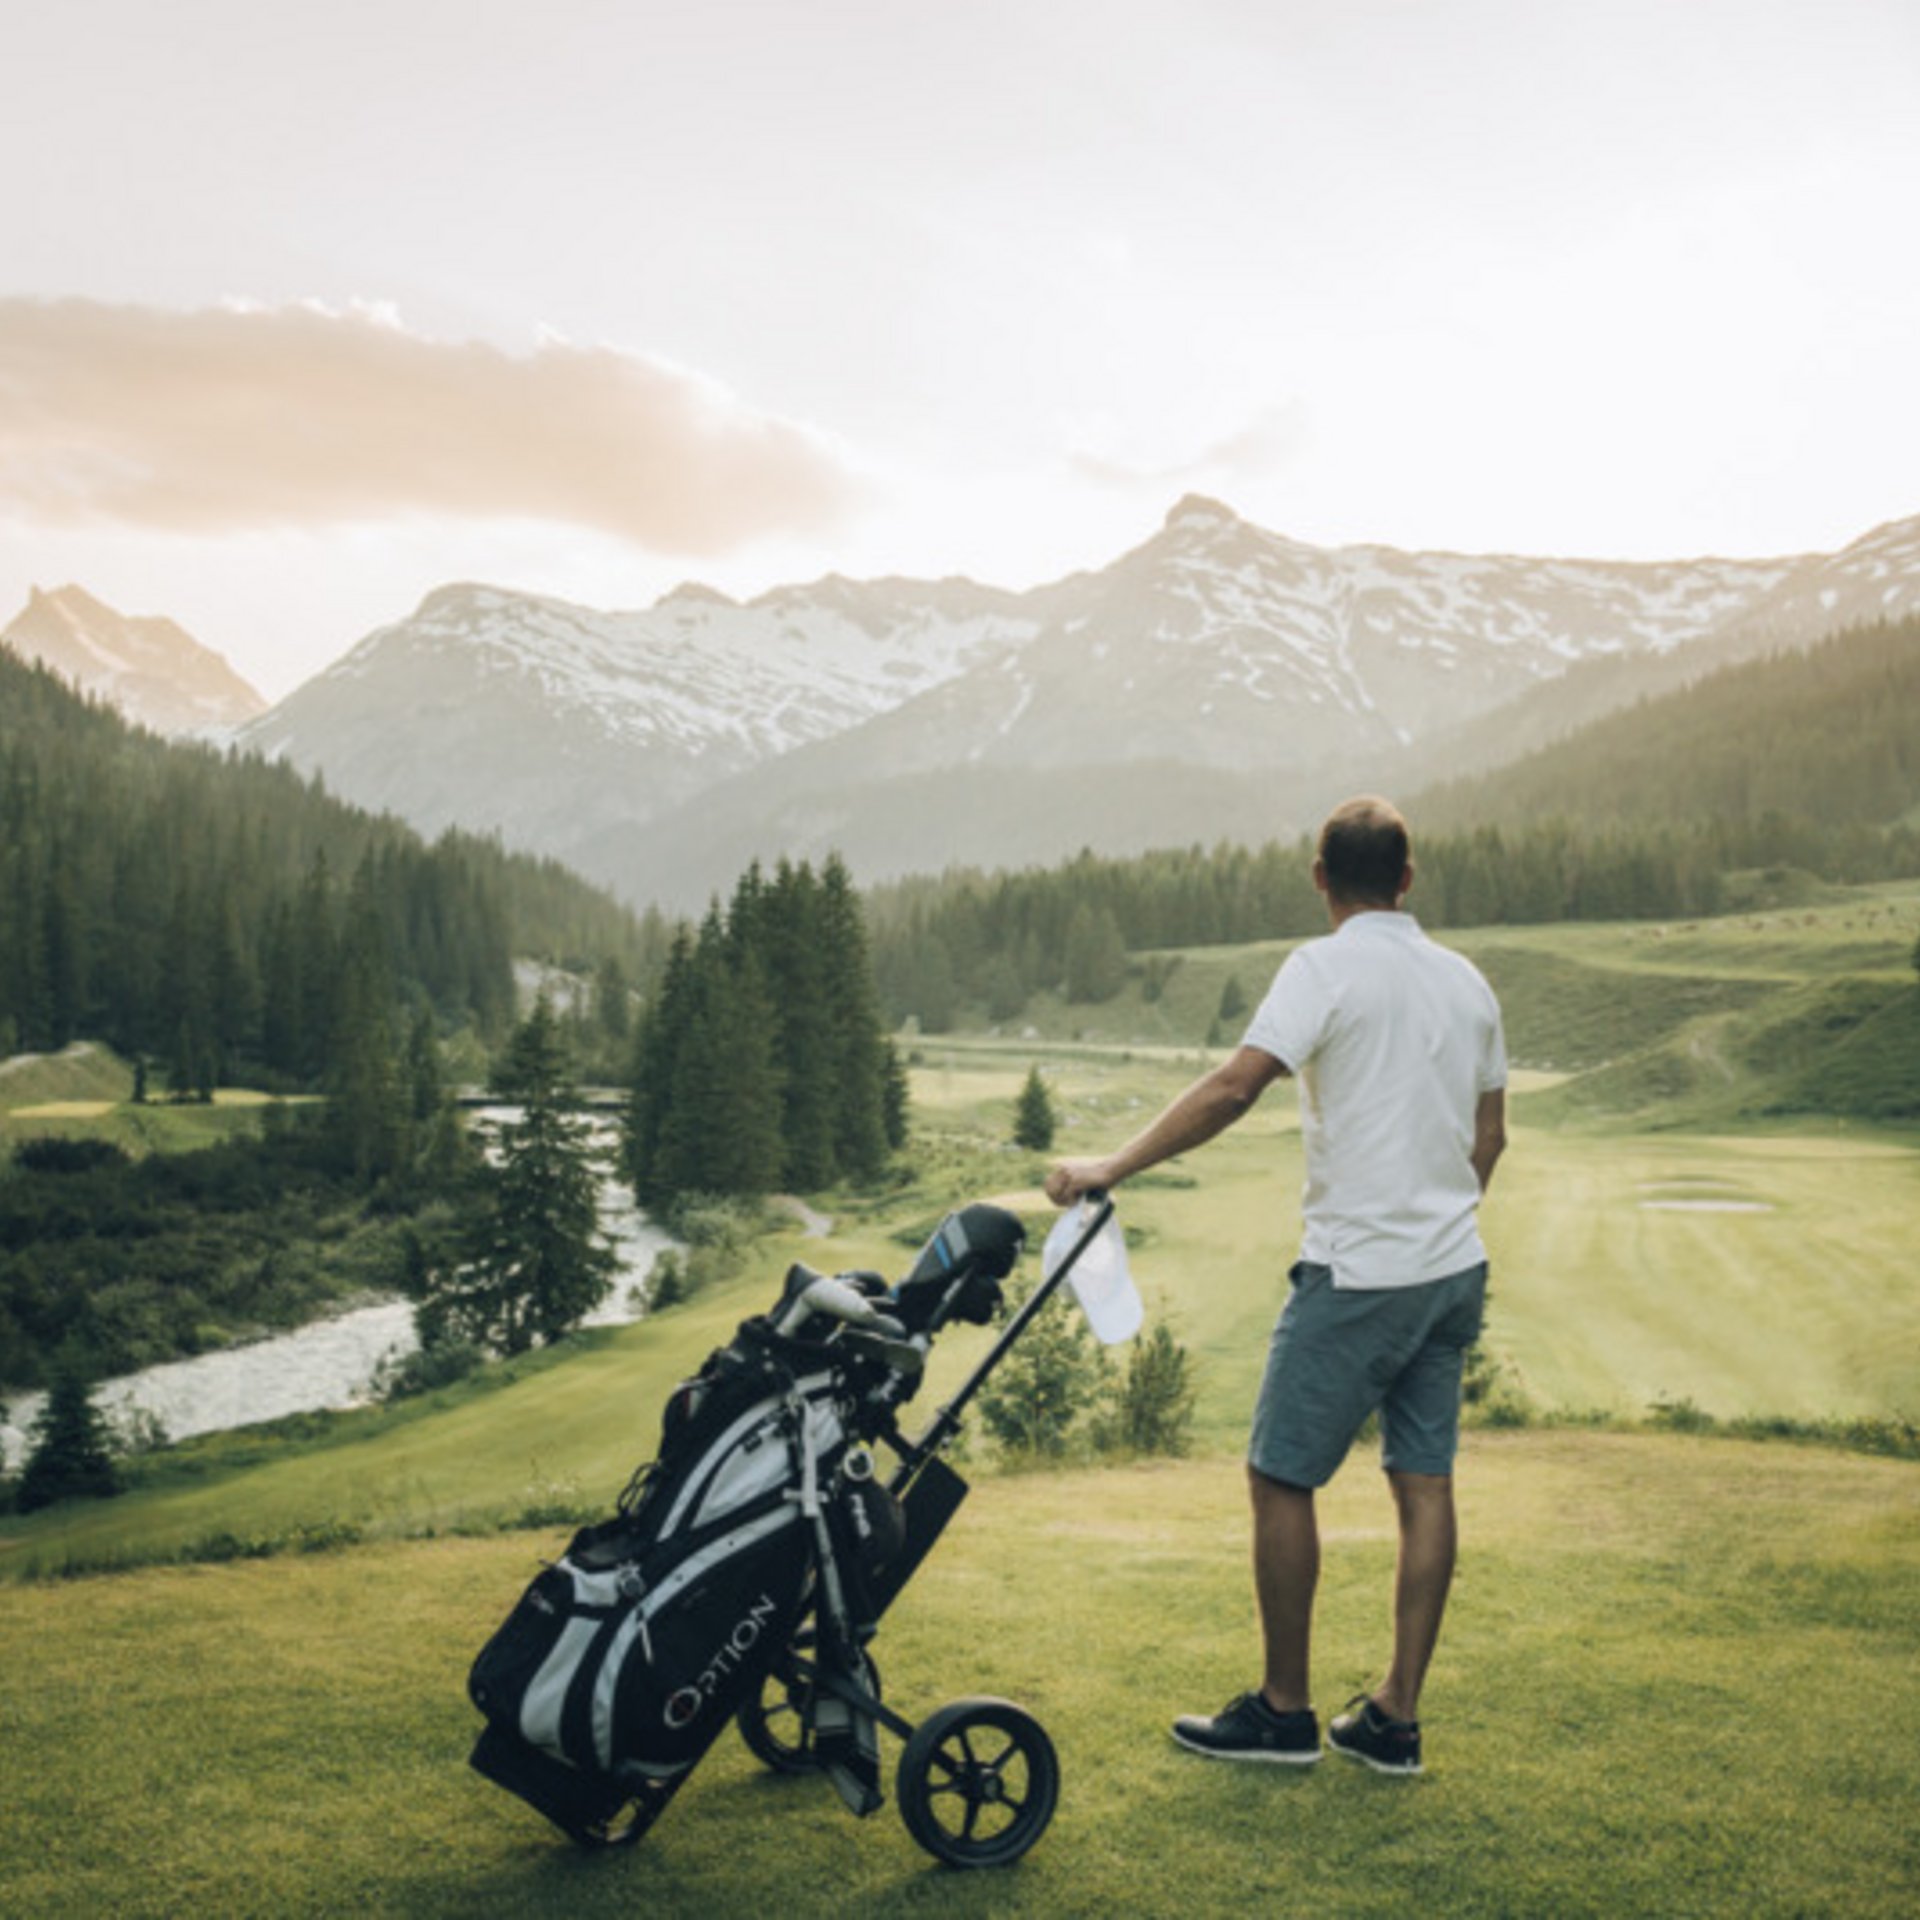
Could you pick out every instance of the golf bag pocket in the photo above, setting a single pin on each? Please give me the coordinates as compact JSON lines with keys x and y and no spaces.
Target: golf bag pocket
{"x":509,"y":1663}
{"x":869,"y":1529}
{"x":632,"y":1668}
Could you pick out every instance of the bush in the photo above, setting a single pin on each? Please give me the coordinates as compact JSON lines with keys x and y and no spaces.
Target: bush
{"x":1679,"y":1416}
{"x":438,"y":1364}
{"x":718,"y":1235}
{"x":1056,"y":1373}
{"x":1151,"y":1406}
{"x":52,"y":1154}
{"x":666,"y":1282}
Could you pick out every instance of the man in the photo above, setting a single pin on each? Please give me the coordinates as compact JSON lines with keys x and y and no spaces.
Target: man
{"x":1396,"y":1043}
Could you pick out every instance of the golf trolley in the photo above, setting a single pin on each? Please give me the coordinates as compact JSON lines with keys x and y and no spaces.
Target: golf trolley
{"x":748,"y":1567}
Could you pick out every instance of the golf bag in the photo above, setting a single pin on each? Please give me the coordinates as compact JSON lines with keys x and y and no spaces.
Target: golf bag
{"x":762,"y":1509}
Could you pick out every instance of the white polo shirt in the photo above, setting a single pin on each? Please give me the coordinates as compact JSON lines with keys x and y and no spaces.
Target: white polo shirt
{"x":1393,"y":1040}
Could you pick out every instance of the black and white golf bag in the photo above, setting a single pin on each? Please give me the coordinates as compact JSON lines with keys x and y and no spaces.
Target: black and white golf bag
{"x":626,"y":1657}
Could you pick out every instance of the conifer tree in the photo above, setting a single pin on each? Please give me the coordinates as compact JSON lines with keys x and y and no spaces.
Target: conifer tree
{"x":783,"y":927}
{"x":720,"y":1132}
{"x":1096,"y":955}
{"x":894,"y":1097}
{"x":656,"y":1046}
{"x":533,"y":1263}
{"x":856,"y":1045}
{"x":1033,"y":1117}
{"x":70,"y":1454}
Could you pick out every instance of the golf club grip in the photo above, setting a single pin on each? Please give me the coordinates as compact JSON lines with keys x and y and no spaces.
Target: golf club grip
{"x":948,"y":1417}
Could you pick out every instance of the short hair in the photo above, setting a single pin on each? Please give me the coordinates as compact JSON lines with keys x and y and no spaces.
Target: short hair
{"x":1364,"y":848}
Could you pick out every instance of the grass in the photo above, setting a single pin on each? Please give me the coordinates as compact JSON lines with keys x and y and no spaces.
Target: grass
{"x":86,"y":1090}
{"x":1676,"y":1674}
{"x":1603,"y":1300}
{"x":1667,"y":1686}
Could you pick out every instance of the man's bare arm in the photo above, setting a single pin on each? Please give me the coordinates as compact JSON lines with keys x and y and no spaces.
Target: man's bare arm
{"x":1489,"y":1134}
{"x":1211,"y":1105}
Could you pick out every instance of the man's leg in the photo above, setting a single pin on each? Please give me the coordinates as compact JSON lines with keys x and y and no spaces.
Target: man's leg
{"x":1286,"y":1569}
{"x":1428,"y":1539}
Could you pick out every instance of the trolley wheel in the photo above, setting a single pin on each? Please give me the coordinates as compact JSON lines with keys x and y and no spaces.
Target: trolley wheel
{"x":978,"y":1783}
{"x":777,"y":1723}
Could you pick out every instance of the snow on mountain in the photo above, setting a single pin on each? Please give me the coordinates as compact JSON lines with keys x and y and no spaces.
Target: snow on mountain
{"x":490,"y":709}
{"x":155,"y":672}
{"x":1220,"y":644}
{"x":1217,"y":662}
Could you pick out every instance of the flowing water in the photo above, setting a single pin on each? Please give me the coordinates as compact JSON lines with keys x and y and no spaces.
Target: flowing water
{"x":327,"y":1363}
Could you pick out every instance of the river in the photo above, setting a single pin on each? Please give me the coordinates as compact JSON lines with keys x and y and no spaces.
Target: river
{"x":327,"y":1363}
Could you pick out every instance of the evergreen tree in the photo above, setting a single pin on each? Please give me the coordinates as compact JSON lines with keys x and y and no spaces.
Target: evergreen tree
{"x":1003,"y":989}
{"x":720,"y":1132}
{"x":612,"y":1001}
{"x":856,"y":1059}
{"x":782,"y":926}
{"x":761,"y":1060}
{"x":532,"y":1264}
{"x":1033,"y":1117}
{"x":1096,"y":955}
{"x":656,"y":1047}
{"x":70,"y":1454}
{"x":894,"y":1098}
{"x":1152,"y":1409}
{"x":369,"y":1102}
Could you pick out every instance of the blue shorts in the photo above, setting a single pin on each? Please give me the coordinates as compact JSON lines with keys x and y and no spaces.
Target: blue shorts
{"x":1340,"y":1352}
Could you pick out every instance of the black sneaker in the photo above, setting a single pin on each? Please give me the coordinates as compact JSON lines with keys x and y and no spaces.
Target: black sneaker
{"x":1249,"y":1729}
{"x":1366,"y":1734}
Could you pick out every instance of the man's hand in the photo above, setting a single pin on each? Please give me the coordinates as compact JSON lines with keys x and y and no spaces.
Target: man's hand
{"x":1067,"y":1180}
{"x":1214,"y":1101}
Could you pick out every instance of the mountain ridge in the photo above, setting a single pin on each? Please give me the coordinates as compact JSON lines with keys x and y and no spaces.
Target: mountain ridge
{"x":1212,"y":657}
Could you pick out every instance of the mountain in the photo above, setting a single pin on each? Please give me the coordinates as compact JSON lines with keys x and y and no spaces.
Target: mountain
{"x":153,"y":671}
{"x":1217,"y":680}
{"x":555,"y":723}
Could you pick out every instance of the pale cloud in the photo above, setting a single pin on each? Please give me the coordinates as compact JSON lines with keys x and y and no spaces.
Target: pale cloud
{"x":1271,"y":440}
{"x":237,"y":418}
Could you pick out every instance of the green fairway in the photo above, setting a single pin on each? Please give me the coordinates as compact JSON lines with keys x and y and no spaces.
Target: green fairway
{"x":1676,"y":1680}
{"x":1760,"y":1272}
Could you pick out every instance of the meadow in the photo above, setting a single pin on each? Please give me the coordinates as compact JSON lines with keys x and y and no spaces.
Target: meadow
{"x":1678,"y":1671}
{"x":1677,"y":1680}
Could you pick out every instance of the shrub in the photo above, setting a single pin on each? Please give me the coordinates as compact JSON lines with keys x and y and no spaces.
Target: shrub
{"x":51,"y":1154}
{"x":1150,"y":1410}
{"x":666,"y":1282}
{"x":440,"y":1363}
{"x":1055,"y":1374}
{"x":1679,"y":1416}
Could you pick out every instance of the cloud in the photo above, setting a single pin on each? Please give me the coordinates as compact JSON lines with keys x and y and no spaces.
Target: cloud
{"x":1269,"y":441}
{"x":239,"y":418}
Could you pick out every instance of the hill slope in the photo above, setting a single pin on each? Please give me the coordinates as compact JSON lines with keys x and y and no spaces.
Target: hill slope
{"x":1829,"y":735}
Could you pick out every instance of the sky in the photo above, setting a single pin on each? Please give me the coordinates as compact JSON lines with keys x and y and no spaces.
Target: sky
{"x":306,"y":310}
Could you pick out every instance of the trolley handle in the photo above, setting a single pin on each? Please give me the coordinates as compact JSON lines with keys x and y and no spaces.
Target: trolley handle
{"x":947,"y":1421}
